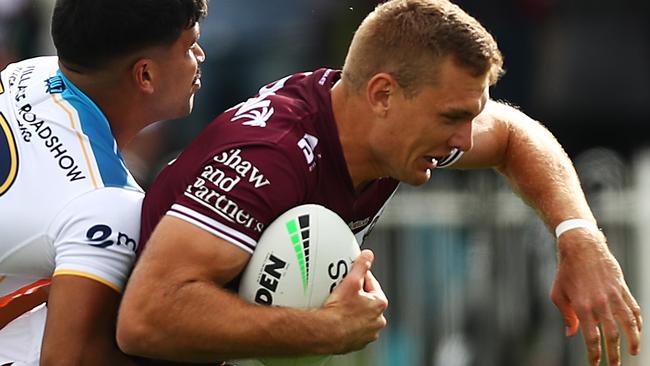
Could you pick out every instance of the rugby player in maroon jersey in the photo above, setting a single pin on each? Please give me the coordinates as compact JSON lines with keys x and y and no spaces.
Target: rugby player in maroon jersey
{"x":412,"y":97}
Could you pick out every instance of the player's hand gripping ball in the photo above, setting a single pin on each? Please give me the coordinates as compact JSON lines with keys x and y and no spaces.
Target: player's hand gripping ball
{"x":298,"y":261}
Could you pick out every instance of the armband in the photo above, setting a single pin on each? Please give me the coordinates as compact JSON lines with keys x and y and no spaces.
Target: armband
{"x":571,"y":224}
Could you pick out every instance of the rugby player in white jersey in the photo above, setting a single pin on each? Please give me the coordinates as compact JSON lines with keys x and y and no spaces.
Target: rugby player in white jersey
{"x":69,"y":208}
{"x":412,"y":96}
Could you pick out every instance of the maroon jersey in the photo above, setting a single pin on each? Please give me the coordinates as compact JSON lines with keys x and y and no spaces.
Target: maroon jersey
{"x":277,"y":150}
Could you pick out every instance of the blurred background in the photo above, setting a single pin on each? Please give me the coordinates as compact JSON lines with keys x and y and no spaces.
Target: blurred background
{"x":466,"y":265}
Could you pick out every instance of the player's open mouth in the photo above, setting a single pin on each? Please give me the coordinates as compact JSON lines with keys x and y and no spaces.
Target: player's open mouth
{"x":197,"y":79}
{"x":431,"y":160}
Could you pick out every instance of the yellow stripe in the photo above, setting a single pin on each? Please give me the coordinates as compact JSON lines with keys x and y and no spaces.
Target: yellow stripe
{"x":87,"y":275}
{"x":80,"y":136}
{"x":2,"y":88}
{"x":13,"y":155}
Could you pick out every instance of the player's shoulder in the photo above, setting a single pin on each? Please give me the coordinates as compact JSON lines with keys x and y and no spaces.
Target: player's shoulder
{"x":25,"y":82}
{"x":35,"y":64}
{"x":103,"y":205}
{"x":284,"y":107}
{"x":279,"y":125}
{"x":113,"y":199}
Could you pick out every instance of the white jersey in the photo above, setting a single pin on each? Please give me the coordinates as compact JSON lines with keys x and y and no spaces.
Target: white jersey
{"x":68,"y":204}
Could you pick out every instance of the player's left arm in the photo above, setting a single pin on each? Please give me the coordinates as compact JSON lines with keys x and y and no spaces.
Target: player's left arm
{"x":589,"y":287}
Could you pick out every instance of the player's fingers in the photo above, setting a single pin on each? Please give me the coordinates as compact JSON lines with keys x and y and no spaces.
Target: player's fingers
{"x":354,"y":281}
{"x":571,"y":320}
{"x":371,"y":284}
{"x":634,"y":307}
{"x":373,"y":287}
{"x":591,"y":335}
{"x":366,"y":254}
{"x":629,"y":320}
{"x":612,"y":339}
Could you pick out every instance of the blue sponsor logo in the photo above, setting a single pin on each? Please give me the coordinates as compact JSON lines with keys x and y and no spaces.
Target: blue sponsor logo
{"x":55,"y":85}
{"x":100,"y":236}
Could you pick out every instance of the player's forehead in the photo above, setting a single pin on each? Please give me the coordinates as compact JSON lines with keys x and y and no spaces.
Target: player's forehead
{"x":456,"y":90}
{"x":465,"y":105}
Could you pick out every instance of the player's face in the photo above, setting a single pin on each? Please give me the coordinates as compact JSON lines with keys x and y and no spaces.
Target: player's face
{"x":180,"y":76}
{"x":424,"y":129}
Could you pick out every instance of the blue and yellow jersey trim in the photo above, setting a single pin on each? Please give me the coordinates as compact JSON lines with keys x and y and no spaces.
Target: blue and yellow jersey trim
{"x":80,"y":137}
{"x":90,"y":121}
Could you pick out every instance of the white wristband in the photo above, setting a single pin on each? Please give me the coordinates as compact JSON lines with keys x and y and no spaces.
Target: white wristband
{"x":571,"y":224}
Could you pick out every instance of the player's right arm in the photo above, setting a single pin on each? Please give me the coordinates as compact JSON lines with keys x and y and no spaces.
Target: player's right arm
{"x":95,"y":238}
{"x":80,"y":324}
{"x":184,"y":313}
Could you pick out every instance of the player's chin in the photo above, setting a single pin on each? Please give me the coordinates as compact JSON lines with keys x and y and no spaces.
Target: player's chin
{"x":187,"y":107}
{"x":417,"y":178}
{"x":190,"y":104}
{"x":182,"y":111}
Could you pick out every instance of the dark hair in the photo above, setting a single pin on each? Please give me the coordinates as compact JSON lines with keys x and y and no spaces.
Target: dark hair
{"x":90,"y":33}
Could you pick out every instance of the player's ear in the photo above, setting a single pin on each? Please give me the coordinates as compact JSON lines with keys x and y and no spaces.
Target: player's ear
{"x":380,"y":89}
{"x":143,"y":73}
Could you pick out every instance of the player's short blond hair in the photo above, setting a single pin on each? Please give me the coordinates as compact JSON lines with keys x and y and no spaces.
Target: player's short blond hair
{"x":408,"y":38}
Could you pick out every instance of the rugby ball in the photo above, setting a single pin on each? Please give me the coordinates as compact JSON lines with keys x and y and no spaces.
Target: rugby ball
{"x":297,"y":262}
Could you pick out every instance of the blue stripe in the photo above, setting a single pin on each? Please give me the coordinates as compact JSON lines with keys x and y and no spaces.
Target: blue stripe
{"x":94,"y":124}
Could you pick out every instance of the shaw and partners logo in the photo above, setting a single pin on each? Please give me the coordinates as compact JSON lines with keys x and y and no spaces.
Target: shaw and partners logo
{"x":298,"y":230}
{"x":244,"y":168}
{"x":219,"y":203}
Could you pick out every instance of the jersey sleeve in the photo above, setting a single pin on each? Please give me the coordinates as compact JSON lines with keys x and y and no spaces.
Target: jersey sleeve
{"x":96,"y":236}
{"x":239,"y":191}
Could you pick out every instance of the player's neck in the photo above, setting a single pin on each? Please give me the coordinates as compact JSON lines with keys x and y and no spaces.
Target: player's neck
{"x":115,"y":99}
{"x":352,"y":123}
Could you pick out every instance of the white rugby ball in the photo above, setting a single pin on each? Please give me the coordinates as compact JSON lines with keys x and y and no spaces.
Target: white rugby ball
{"x":298,"y":261}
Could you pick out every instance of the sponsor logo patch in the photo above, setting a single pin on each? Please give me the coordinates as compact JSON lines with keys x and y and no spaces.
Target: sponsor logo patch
{"x":55,"y":85}
{"x":222,"y":205}
{"x":52,"y":142}
{"x":100,"y":236}
{"x":245,"y":169}
{"x":8,"y":156}
{"x":256,"y":111}
{"x":216,"y":181}
{"x":308,"y":145}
